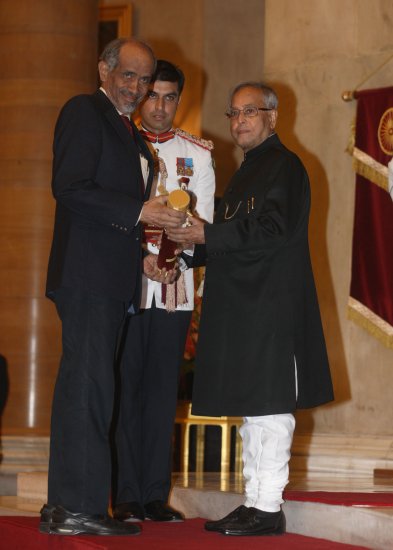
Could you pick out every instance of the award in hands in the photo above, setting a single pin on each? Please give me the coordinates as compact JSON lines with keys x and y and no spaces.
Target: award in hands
{"x":179,"y":200}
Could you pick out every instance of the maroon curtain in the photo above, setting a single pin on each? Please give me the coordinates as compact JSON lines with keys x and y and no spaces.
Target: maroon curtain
{"x":371,"y":292}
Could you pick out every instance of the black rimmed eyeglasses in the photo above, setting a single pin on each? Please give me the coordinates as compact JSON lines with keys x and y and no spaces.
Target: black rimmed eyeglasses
{"x":248,"y":112}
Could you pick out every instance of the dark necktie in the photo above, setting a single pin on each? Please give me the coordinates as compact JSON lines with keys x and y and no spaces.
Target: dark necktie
{"x":128,"y":124}
{"x":129,"y":127}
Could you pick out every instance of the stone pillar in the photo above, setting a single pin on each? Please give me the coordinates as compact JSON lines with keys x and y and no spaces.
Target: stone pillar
{"x":48,"y":53}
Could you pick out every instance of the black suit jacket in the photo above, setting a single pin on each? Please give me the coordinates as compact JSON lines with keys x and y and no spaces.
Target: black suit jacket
{"x":98,"y":187}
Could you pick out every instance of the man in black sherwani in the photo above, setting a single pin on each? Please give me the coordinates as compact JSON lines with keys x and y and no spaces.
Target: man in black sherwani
{"x":261,"y":350}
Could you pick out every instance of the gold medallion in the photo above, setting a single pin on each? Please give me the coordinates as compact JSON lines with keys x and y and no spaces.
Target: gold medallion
{"x":385,"y":132}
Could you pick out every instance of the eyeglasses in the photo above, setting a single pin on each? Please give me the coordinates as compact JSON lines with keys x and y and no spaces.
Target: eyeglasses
{"x":248,"y":112}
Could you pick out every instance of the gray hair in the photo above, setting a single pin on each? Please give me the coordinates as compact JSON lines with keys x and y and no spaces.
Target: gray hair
{"x":111,"y":51}
{"x":269,"y":95}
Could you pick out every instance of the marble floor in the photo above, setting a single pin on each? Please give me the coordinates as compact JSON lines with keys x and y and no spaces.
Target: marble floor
{"x":213,"y":495}
{"x":298,"y":481}
{"x":208,"y":482}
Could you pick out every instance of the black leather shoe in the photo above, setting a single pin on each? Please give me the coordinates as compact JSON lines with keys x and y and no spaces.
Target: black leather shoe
{"x":256,"y":523}
{"x":46,"y":518}
{"x":157,"y":510}
{"x":65,"y":522}
{"x":129,"y":511}
{"x":231,"y":517}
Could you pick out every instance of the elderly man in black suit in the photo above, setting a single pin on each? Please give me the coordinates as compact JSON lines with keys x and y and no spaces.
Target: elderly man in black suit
{"x":102,"y":173}
{"x":261,"y":350}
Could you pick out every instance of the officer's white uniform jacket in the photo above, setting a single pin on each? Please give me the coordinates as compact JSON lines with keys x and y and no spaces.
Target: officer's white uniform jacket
{"x":201,"y":186}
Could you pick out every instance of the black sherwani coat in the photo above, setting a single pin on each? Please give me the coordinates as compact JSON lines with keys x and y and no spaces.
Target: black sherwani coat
{"x":260,"y":308}
{"x":98,"y":187}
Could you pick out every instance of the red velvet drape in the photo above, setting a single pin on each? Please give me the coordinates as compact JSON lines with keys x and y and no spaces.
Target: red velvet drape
{"x":372,"y":249}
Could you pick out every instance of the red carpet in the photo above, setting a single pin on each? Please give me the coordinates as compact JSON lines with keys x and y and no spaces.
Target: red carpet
{"x":21,"y":533}
{"x":343,"y":499}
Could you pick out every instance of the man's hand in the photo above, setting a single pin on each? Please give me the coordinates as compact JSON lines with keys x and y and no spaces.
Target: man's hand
{"x":155,"y":212}
{"x":152,"y":272}
{"x":192,"y":234}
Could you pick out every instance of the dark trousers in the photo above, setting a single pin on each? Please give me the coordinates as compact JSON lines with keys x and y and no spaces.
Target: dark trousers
{"x":150,"y":361}
{"x":80,"y":459}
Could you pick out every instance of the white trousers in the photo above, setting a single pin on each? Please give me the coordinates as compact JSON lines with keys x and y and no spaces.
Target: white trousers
{"x":267,"y":442}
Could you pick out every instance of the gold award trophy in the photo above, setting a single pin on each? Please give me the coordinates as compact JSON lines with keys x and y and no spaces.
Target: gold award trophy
{"x":178,"y":200}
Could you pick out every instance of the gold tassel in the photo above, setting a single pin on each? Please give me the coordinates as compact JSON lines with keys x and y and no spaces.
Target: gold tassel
{"x":370,"y":173}
{"x":176,"y":289}
{"x":181,"y":290}
{"x":170,"y":304}
{"x":364,"y":165}
{"x":371,"y":322}
{"x":351,"y":139}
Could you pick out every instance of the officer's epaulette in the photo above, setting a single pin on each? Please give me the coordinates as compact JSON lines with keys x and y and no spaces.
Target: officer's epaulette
{"x":205,"y":143}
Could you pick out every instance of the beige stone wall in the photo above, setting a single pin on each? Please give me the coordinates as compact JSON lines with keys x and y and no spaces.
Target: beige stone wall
{"x":314,"y":50}
{"x":216,"y":43}
{"x":174,"y":30}
{"x":311,"y":50}
{"x":233,"y":51}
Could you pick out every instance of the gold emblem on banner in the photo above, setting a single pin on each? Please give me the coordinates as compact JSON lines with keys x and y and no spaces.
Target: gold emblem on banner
{"x":385,"y":132}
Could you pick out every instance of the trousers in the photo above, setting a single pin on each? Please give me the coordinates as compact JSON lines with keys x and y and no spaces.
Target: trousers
{"x":80,"y":463}
{"x":150,"y":362}
{"x":267,"y":442}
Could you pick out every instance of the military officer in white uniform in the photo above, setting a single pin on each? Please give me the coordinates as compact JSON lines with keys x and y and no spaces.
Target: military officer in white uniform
{"x":154,"y":346}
